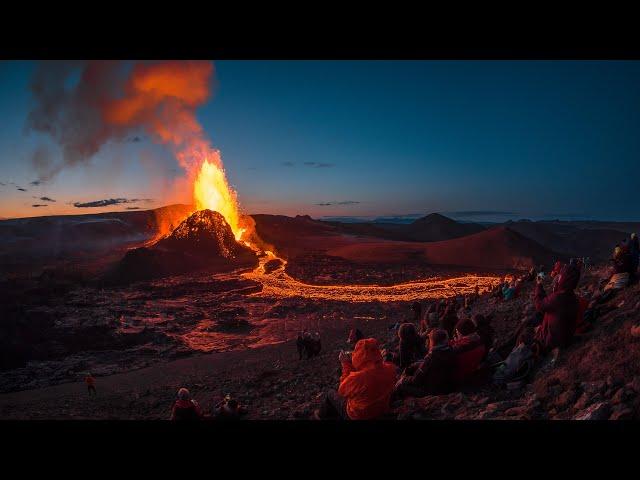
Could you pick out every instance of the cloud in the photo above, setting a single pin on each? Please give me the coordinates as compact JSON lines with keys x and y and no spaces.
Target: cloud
{"x":318,"y":164}
{"x":39,"y":205}
{"x":21,"y":189}
{"x":47,"y":199}
{"x":35,"y":183}
{"x":346,"y":202}
{"x":288,"y":164}
{"x":108,"y":202}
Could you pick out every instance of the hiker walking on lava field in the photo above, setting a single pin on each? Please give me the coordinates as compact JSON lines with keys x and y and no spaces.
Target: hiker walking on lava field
{"x":91,"y":384}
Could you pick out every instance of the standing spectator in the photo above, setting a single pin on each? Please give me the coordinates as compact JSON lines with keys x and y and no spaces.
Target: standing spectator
{"x":91,"y":384}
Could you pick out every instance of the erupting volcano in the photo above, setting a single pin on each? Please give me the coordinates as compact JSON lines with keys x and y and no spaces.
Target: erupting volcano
{"x":211,"y":191}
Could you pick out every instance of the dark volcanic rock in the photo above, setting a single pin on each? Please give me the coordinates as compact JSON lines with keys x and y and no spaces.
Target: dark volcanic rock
{"x":202,"y":241}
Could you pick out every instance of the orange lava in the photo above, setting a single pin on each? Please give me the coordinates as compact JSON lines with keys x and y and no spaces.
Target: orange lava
{"x":279,"y":284}
{"x":212,"y":191}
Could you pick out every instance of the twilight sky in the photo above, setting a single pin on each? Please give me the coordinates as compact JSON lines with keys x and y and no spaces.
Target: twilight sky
{"x":376,"y":138}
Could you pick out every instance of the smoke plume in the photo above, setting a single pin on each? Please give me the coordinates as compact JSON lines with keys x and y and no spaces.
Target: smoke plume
{"x":84,"y":105}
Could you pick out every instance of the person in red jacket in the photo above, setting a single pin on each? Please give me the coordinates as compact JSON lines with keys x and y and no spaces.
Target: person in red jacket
{"x":91,"y":383}
{"x":469,"y":349}
{"x":365,"y":387}
{"x":560,"y":310}
{"x":185,"y":408}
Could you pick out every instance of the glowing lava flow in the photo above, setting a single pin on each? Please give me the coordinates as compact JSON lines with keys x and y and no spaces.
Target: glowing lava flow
{"x":279,"y":284}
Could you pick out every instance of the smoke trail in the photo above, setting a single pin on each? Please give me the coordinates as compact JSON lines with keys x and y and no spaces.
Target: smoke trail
{"x":114,"y":99}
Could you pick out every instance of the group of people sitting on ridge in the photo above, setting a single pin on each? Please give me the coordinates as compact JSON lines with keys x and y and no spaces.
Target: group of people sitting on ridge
{"x":438,"y":352}
{"x":444,"y":348}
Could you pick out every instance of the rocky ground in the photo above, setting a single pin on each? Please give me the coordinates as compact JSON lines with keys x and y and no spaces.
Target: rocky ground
{"x":598,"y":377}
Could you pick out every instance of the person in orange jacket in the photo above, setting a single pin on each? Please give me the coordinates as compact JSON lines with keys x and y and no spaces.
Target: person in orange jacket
{"x":366,"y":385}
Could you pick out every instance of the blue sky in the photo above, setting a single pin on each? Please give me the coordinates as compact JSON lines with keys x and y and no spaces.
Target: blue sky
{"x":375,"y":138}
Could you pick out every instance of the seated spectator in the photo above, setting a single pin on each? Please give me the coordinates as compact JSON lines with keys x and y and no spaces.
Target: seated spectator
{"x":449,"y":318}
{"x":555,"y":271}
{"x":185,"y":408}
{"x":485,"y":330}
{"x":469,"y":350}
{"x":410,"y":347}
{"x":434,"y":374}
{"x":519,"y":362}
{"x":496,"y":292}
{"x":416,"y":312}
{"x":228,"y":409}
{"x":560,"y":310}
{"x":530,"y":276}
{"x":511,"y":291}
{"x":355,"y":335}
{"x":365,"y":387}
{"x":430,"y":323}
{"x":314,"y":345}
{"x":300,"y":344}
{"x":308,"y":344}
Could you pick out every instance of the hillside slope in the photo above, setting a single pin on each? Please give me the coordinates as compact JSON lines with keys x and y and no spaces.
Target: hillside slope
{"x":499,"y":248}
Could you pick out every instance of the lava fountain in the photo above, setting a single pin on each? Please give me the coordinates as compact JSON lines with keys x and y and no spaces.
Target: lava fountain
{"x":212,"y":191}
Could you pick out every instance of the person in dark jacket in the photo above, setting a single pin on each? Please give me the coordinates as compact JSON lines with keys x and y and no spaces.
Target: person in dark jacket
{"x":469,"y":350}
{"x":185,"y":408}
{"x":300,"y":344}
{"x":355,"y":335}
{"x":411,"y":346}
{"x":622,"y":259}
{"x":449,"y":317}
{"x":484,"y":330}
{"x":434,"y":374}
{"x":416,"y":313}
{"x":560,"y":310}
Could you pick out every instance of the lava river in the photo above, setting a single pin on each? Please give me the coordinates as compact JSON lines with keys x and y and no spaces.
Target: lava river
{"x":279,"y":284}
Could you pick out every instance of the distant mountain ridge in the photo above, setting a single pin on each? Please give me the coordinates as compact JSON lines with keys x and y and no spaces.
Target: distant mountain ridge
{"x":495,"y":248}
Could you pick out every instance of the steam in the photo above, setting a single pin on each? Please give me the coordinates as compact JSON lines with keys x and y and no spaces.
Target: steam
{"x":84,"y":105}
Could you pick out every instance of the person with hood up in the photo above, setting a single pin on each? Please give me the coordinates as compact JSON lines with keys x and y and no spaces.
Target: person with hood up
{"x":185,"y":408}
{"x":411,"y":346}
{"x":560,"y":310}
{"x":469,"y":350}
{"x":434,"y":374}
{"x":365,"y":387}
